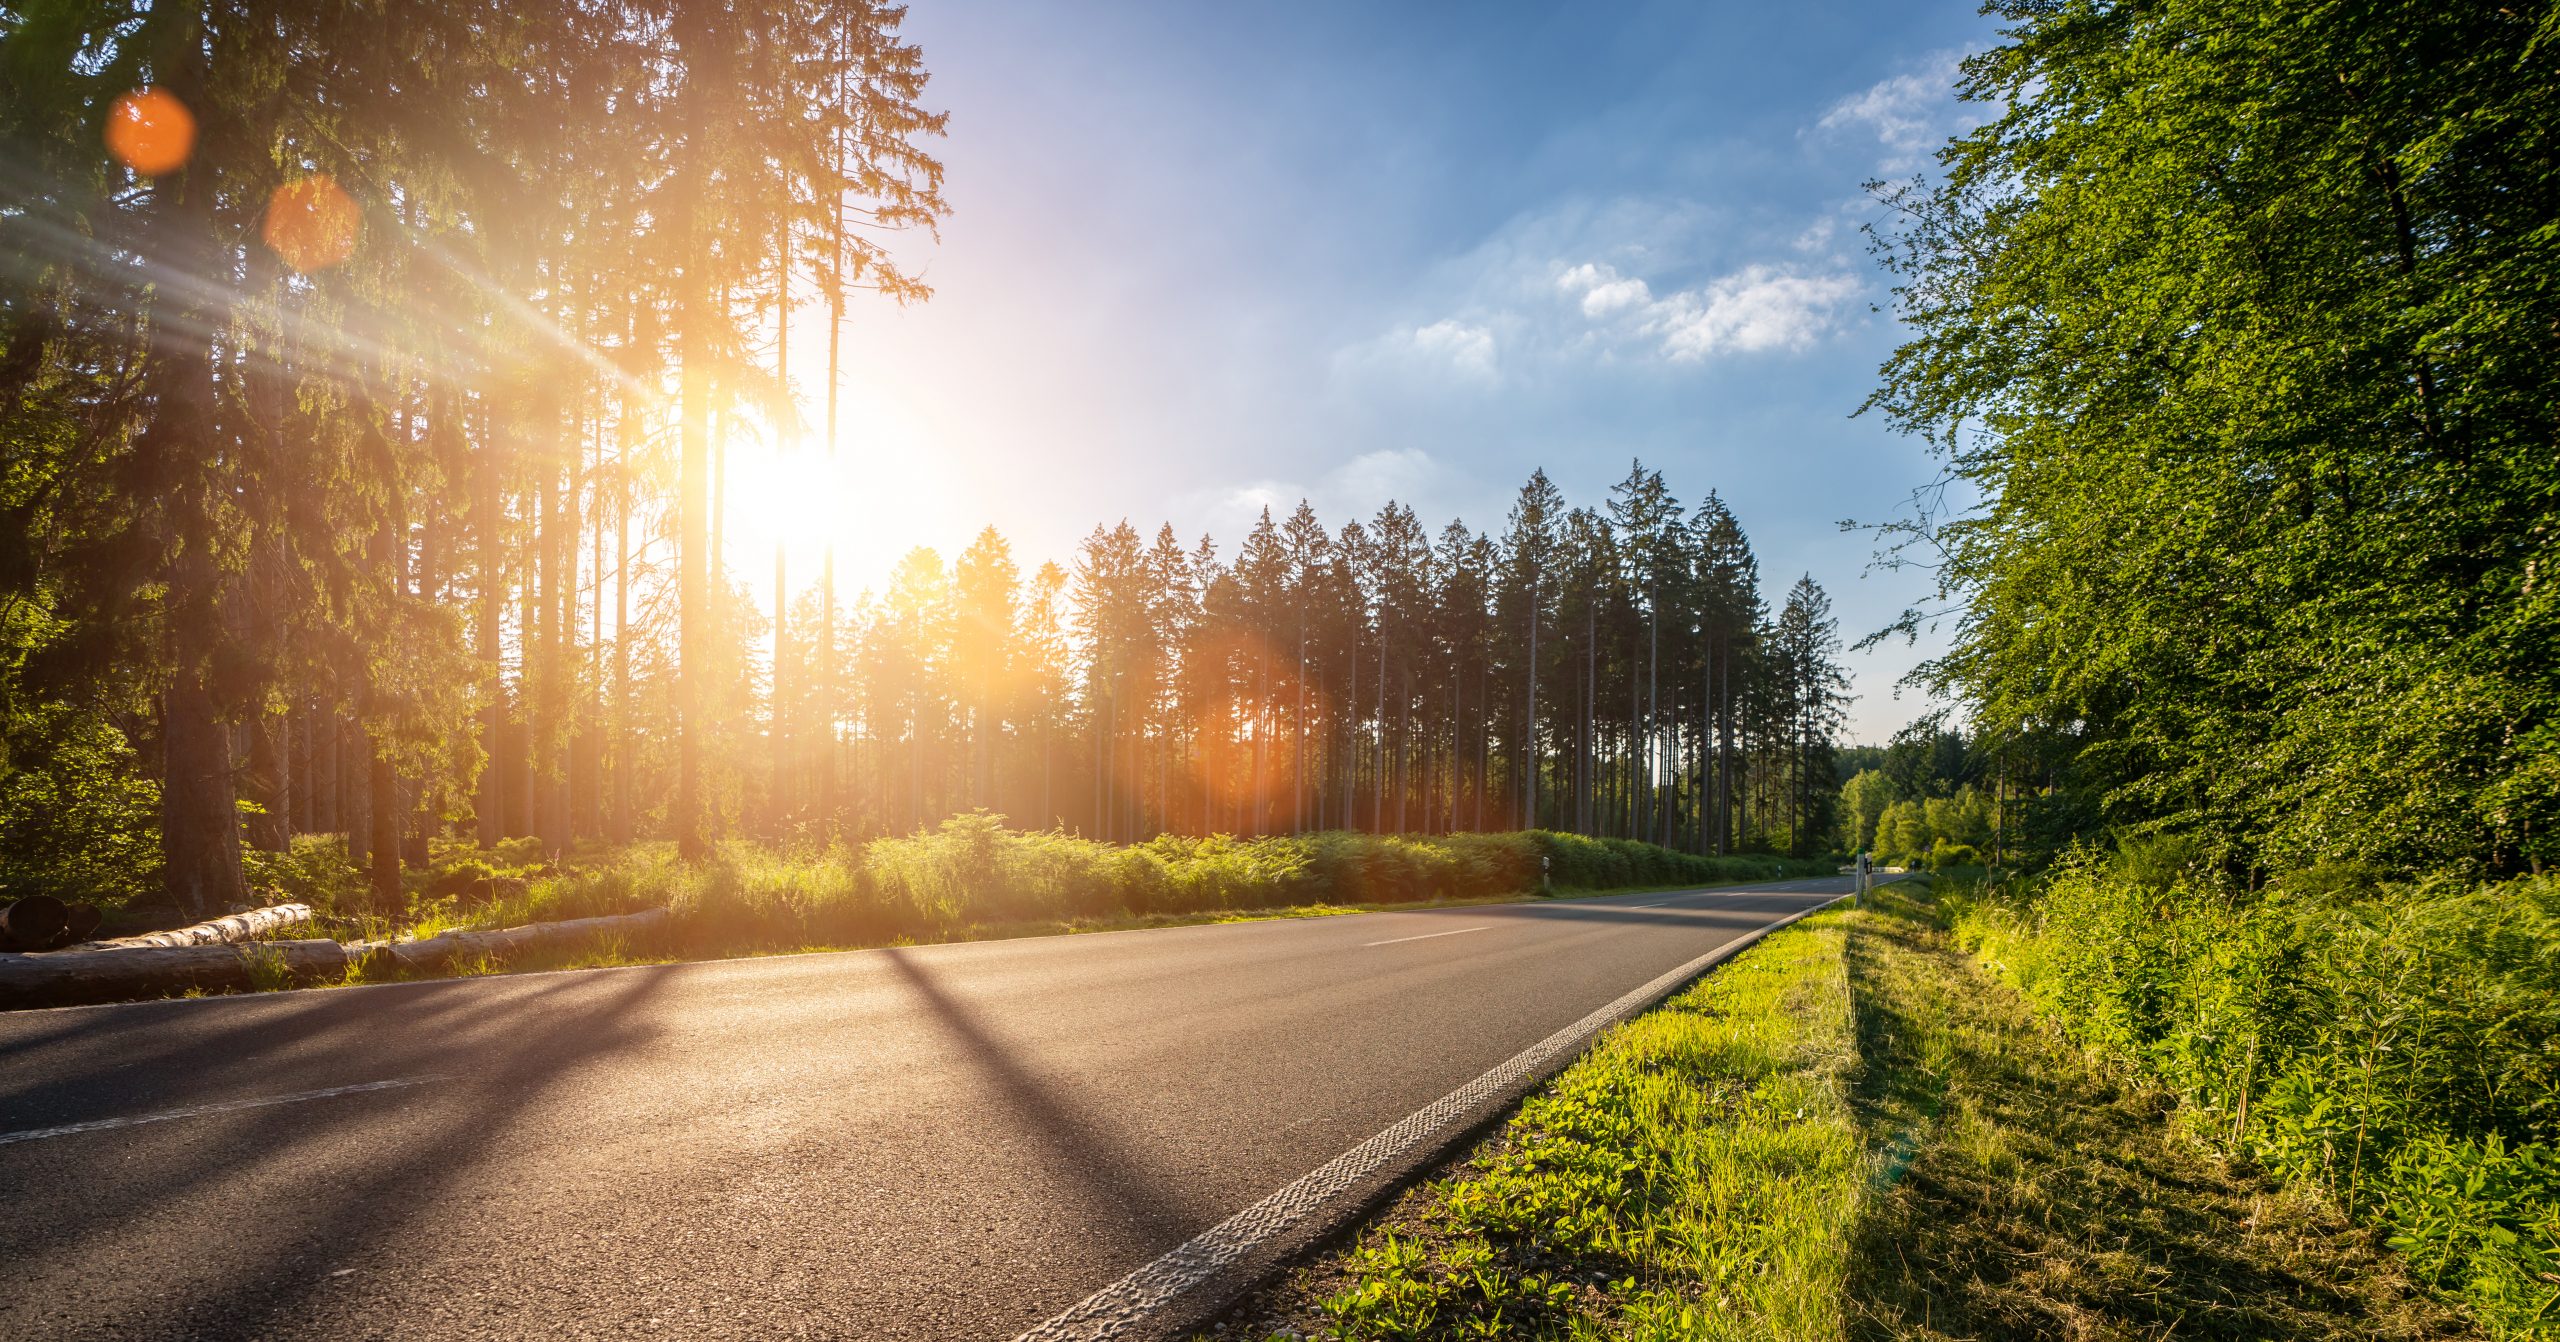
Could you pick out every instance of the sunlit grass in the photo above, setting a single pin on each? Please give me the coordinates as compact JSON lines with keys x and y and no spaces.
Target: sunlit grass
{"x":1693,"y":1176}
{"x":970,"y":879}
{"x":1847,"y":1131}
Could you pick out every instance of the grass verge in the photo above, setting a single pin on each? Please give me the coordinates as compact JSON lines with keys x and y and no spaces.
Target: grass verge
{"x":2027,"y":1189}
{"x":1847,"y":1131}
{"x":1690,"y":1177}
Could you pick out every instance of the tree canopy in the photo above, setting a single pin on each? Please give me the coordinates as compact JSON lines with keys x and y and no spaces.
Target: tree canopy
{"x":2240,"y":319}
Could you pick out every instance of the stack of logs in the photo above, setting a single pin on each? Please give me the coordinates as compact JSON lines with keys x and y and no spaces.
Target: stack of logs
{"x":227,"y":955}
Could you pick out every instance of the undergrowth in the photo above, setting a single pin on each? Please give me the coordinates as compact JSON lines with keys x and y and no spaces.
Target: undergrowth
{"x":972,"y":871}
{"x":1848,"y":1131}
{"x":2395,"y":1047}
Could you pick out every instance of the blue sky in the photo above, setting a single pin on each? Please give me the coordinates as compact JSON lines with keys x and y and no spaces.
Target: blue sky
{"x":1204,"y":257}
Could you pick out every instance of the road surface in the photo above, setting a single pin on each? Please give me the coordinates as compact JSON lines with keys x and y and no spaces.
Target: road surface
{"x":932,"y":1142}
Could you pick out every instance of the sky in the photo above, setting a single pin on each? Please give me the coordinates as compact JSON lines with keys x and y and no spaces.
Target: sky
{"x":1207,"y":258}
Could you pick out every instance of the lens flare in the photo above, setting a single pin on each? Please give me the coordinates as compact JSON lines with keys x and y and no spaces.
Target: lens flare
{"x":312,"y":223}
{"x":151,"y":132}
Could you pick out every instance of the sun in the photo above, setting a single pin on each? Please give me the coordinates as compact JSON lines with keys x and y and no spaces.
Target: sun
{"x":888,"y":486}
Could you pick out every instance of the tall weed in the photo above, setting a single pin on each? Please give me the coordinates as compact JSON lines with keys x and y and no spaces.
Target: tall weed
{"x":2395,"y":1045}
{"x":972,"y":871}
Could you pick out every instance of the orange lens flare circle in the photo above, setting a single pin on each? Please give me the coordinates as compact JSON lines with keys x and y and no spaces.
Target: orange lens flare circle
{"x":312,"y":223}
{"x":151,"y":132}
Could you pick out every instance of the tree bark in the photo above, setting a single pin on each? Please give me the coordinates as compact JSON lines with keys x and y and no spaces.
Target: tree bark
{"x":489,"y":537}
{"x":382,"y":809}
{"x":436,"y":953}
{"x":237,"y":927}
{"x":269,"y":781}
{"x":80,"y":977}
{"x":174,"y":457}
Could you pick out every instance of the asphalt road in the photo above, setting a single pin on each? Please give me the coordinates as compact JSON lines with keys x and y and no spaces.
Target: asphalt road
{"x":934,"y":1142}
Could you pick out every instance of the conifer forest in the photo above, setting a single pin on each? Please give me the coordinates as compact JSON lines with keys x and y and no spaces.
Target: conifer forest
{"x":369,"y":411}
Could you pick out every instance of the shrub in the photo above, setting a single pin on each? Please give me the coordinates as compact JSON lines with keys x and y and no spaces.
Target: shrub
{"x":2398,"y":1046}
{"x":314,"y":869}
{"x":971,"y":870}
{"x":78,"y":819}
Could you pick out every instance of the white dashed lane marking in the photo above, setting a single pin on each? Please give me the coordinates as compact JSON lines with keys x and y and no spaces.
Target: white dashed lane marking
{"x":198,"y":1110}
{"x":1425,"y":936}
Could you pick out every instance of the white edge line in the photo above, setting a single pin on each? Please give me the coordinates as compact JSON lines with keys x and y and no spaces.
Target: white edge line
{"x":197,"y":1110}
{"x":1128,"y":1302}
{"x":1424,"y":937}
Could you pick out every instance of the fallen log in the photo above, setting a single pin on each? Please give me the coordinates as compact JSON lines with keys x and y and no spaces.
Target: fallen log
{"x":437,"y":953}
{"x":237,"y":927}
{"x":80,"y":977}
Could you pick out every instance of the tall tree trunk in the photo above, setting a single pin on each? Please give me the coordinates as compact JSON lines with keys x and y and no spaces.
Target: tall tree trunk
{"x":699,"y":41}
{"x":780,"y":743}
{"x":324,"y":770}
{"x":489,"y":525}
{"x":199,"y":814}
{"x":268,"y":781}
{"x":354,"y":757}
{"x":550,"y":675}
{"x":1528,"y":753}
{"x":305,"y":760}
{"x":382,"y":788}
{"x":624,"y":762}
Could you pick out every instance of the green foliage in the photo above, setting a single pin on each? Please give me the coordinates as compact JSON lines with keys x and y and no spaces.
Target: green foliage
{"x":2400,"y":1050}
{"x":1964,"y":818}
{"x":1863,"y":800}
{"x":314,"y":869}
{"x":76,"y":819}
{"x":2238,"y":317}
{"x":1694,"y":1176}
{"x":971,"y":871}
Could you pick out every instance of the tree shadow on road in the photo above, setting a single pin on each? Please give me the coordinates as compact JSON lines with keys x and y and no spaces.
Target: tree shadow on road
{"x":497,"y":1048}
{"x":1108,"y":1177}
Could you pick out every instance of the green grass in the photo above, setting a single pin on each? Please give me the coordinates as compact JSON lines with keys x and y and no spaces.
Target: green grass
{"x":2393,"y":1048}
{"x":972,"y":879}
{"x":1691,"y":1177}
{"x":2026,"y":1188}
{"x":1848,"y":1131}
{"x":971,"y":870}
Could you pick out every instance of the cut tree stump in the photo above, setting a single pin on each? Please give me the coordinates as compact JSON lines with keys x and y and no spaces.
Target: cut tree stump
{"x":81,"y":977}
{"x":33,"y":923}
{"x":438,"y":952}
{"x":237,"y":927}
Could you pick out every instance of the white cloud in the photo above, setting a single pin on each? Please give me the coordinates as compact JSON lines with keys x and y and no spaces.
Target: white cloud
{"x":1907,"y":113}
{"x":1755,"y":308}
{"x":1464,"y":346}
{"x":1354,"y":489}
{"x":1369,"y":480}
{"x":1758,"y":307}
{"x":1603,"y":290}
